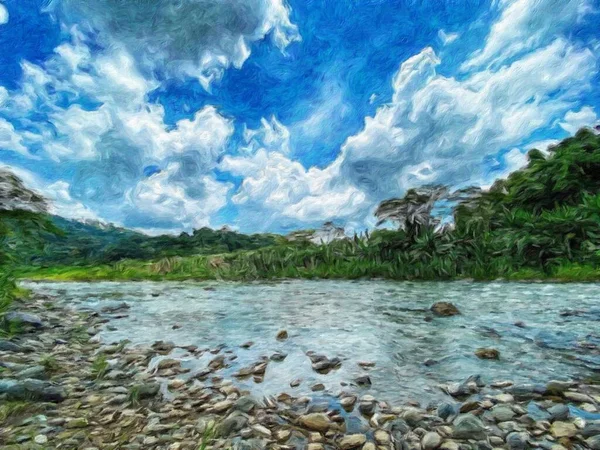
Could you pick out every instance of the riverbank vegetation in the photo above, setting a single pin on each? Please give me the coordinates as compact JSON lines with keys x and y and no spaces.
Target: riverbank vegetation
{"x":542,"y":222}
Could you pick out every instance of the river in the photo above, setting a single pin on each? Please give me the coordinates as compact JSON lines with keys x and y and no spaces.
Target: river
{"x":543,"y":331}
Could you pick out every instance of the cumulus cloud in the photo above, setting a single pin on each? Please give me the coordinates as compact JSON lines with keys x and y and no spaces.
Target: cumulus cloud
{"x":439,"y":129}
{"x":198,"y":38}
{"x":277,"y":190}
{"x":525,"y":25}
{"x":574,"y":120}
{"x":109,"y":144}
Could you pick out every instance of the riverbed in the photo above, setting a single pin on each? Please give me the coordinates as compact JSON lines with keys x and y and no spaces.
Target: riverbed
{"x":542,"y":331}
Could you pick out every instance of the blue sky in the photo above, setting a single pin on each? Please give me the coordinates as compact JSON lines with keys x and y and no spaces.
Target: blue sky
{"x":272,"y":115}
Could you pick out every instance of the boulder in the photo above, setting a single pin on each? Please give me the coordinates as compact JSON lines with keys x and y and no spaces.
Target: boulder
{"x":487,"y":353}
{"x":444,"y":309}
{"x":467,"y":426}
{"x":30,"y":389}
{"x":431,"y":441}
{"x":7,"y":346}
{"x":563,"y":429}
{"x":352,"y":441}
{"x":517,"y":441}
{"x":25,"y":319}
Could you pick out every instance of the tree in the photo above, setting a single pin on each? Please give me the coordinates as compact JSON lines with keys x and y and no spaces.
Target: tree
{"x":413,"y":212}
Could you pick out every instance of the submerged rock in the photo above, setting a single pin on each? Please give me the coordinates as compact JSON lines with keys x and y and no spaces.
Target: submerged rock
{"x":282,"y":335}
{"x":316,"y":421}
{"x":467,"y":426}
{"x":487,"y":353}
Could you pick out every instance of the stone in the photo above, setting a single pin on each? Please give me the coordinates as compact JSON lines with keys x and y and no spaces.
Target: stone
{"x":25,"y":319}
{"x":348,"y":402}
{"x":487,"y":353}
{"x":317,"y":387}
{"x":278,"y":356}
{"x":382,"y":437}
{"x":147,"y":390}
{"x":591,"y":429}
{"x":431,"y":441}
{"x":504,"y":398}
{"x":559,"y":412}
{"x":578,"y":397}
{"x":31,"y":389}
{"x":262,"y":430}
{"x":445,"y":410}
{"x":283,"y":435}
{"x":315,"y":446}
{"x":315,"y":421}
{"x":40,"y":439}
{"x":352,"y":441}
{"x":444,"y":309}
{"x":561,"y":429}
{"x":295,"y":383}
{"x":282,"y":335}
{"x":245,"y":403}
{"x":7,"y":346}
{"x":231,"y":425}
{"x":502,"y":413}
{"x":79,"y":422}
{"x":593,"y":442}
{"x":36,"y":372}
{"x":222,"y":406}
{"x":363,"y":380}
{"x":168,"y":363}
{"x":517,"y":441}
{"x":110,"y":309}
{"x":449,"y":445}
{"x":369,"y":446}
{"x":467,"y":426}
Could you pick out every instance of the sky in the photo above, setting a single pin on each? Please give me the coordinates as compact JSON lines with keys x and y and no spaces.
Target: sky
{"x":276,"y":115}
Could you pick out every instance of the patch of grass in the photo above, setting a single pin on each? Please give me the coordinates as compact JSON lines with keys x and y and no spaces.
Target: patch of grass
{"x":134,"y":395}
{"x":99,"y":367}
{"x":207,"y":436}
{"x":79,"y":335}
{"x":49,"y":363}
{"x":10,"y":328}
{"x":9,"y":409}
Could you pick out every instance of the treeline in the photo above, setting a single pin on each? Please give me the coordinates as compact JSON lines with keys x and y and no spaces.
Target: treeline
{"x":543,"y":221}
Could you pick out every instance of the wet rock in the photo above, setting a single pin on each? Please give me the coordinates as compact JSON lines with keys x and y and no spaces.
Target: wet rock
{"x":7,"y":346}
{"x":558,"y":387}
{"x":363,"y":380}
{"x":31,"y":389}
{"x":168,"y":363}
{"x":247,"y":344}
{"x":348,"y":402}
{"x":367,"y":405}
{"x":563,"y":429}
{"x":382,"y":437}
{"x":163,"y":348}
{"x":467,"y":426}
{"x":444,"y":309}
{"x":366,"y":364}
{"x":369,"y":446}
{"x":322,"y":364}
{"x":282,"y":335}
{"x":317,"y":387}
{"x":278,"y":356}
{"x":40,"y":439}
{"x":36,"y":372}
{"x":110,"y":309}
{"x":352,"y":441}
{"x":295,"y":383}
{"x":245,"y":404}
{"x":222,"y":406}
{"x":217,"y":363}
{"x":431,"y":441}
{"x":487,"y":353}
{"x":27,"y":320}
{"x":559,"y":412}
{"x":315,"y":421}
{"x":445,"y":410}
{"x":591,"y":429}
{"x":502,"y":413}
{"x":578,"y":397}
{"x":593,"y":442}
{"x":517,"y":441}
{"x":231,"y":425}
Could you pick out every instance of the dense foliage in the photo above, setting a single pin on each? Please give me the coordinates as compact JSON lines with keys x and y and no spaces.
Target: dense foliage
{"x":543,"y":221}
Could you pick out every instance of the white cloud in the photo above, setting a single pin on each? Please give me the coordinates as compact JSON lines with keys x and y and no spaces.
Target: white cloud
{"x":109,"y":146}
{"x":279,"y":191}
{"x":3,"y":14}
{"x":574,"y":120}
{"x":198,"y":38}
{"x":448,"y":38}
{"x":525,"y":25}
{"x":439,"y":129}
{"x":10,"y":139}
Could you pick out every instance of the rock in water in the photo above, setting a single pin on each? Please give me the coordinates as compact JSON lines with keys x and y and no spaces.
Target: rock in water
{"x":444,"y":309}
{"x":467,"y":426}
{"x":487,"y":353}
{"x":282,"y":335}
{"x":316,"y":421}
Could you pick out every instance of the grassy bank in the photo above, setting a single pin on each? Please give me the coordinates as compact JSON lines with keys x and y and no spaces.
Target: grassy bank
{"x":313,"y":262}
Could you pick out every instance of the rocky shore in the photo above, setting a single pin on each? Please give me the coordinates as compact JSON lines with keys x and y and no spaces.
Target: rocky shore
{"x":60,"y":387}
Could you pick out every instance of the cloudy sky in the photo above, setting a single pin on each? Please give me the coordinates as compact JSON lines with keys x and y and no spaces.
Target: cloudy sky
{"x":273,"y":115}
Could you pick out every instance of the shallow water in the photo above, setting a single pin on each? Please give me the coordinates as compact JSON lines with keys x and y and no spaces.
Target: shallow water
{"x":386,"y":323}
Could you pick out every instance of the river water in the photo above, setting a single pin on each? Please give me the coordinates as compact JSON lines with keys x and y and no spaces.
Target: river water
{"x":543,"y":331}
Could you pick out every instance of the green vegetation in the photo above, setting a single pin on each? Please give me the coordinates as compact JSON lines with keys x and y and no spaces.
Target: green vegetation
{"x":543,"y":222}
{"x":99,"y":367}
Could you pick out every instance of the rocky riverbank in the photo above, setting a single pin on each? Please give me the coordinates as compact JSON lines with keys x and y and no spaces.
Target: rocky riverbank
{"x":60,"y":387}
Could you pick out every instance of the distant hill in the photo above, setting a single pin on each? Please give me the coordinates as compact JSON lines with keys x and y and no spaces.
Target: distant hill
{"x":82,"y":243}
